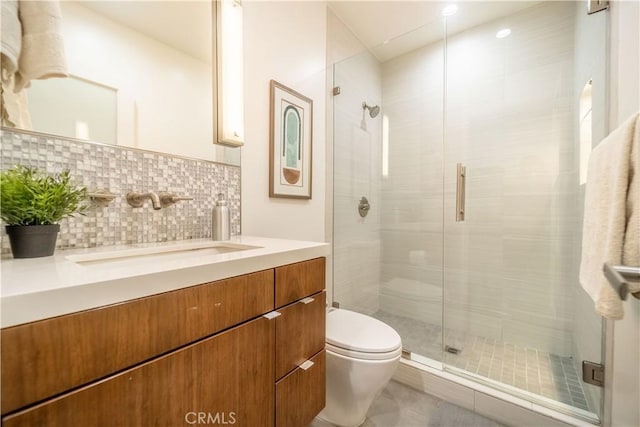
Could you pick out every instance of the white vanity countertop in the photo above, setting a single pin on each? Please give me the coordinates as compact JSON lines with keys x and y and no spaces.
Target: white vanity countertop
{"x":39,"y":288}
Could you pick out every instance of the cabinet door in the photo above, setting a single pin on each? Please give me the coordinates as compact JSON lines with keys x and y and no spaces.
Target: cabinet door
{"x":295,"y":281}
{"x":300,"y":332}
{"x":49,"y":357}
{"x":225,"y":379}
{"x":300,"y":396}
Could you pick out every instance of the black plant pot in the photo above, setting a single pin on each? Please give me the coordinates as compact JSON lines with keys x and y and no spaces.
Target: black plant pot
{"x":32,"y":241}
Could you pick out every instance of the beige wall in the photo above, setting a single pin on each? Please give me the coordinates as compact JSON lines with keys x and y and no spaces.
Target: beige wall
{"x":284,"y":41}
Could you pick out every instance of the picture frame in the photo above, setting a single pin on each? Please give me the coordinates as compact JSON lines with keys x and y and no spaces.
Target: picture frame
{"x":290,"y":143}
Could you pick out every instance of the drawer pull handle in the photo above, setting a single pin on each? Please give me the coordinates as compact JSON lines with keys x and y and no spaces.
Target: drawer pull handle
{"x":306,"y":300}
{"x":306,"y":364}
{"x":271,"y":315}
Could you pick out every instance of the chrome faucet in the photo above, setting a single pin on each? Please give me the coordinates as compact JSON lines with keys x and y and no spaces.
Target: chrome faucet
{"x":136,"y":200}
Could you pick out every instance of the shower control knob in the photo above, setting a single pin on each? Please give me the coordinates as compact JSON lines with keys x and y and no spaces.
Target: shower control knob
{"x":363,"y":207}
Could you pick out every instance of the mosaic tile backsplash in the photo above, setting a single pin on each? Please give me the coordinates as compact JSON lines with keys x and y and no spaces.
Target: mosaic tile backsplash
{"x":121,"y":170}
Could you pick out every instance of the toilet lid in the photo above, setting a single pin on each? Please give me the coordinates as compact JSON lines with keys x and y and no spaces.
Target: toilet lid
{"x":355,"y":331}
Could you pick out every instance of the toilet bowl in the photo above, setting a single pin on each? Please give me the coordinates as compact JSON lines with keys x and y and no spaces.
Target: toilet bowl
{"x":362,"y":354}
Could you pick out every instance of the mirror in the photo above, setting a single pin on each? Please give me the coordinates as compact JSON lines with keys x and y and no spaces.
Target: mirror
{"x":140,"y":75}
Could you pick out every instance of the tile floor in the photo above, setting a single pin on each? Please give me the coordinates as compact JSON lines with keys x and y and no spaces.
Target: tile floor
{"x":401,"y":406}
{"x":546,"y":374}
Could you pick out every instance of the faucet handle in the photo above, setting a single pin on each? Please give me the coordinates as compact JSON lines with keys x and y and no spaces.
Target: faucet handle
{"x":168,"y":199}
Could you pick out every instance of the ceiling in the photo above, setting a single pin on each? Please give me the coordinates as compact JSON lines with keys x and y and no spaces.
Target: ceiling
{"x":387,"y":28}
{"x":392,"y":28}
{"x":182,"y":24}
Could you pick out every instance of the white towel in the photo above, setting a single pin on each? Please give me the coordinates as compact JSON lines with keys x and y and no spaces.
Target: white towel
{"x":611,"y":231}
{"x":15,"y":106}
{"x":42,"y":55}
{"x":11,"y":40}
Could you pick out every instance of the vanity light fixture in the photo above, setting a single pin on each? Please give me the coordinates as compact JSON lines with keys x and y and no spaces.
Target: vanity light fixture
{"x":503,"y":33}
{"x":229,"y":78}
{"x":449,"y":10}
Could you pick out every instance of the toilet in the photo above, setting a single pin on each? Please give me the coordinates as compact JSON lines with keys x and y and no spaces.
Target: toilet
{"x":362,"y":354}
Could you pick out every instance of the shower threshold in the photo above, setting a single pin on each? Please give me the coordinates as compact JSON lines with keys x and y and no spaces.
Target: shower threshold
{"x":510,"y":406}
{"x":534,"y":375}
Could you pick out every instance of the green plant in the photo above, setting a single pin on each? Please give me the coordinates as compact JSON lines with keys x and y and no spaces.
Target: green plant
{"x":29,"y":196}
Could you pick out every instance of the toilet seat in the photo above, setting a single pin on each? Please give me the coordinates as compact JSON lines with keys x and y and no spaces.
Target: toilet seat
{"x":358,"y":336}
{"x":362,"y":355}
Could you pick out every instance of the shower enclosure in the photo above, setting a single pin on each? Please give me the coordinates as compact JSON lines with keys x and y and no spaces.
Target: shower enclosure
{"x":473,"y":172}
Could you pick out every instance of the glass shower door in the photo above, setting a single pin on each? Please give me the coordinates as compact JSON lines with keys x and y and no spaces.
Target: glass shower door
{"x":356,"y":242}
{"x":388,"y":264}
{"x":515,"y":316}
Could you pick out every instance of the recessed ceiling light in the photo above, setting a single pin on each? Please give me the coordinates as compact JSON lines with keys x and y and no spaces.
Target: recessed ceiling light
{"x":449,"y":10}
{"x":503,"y":33}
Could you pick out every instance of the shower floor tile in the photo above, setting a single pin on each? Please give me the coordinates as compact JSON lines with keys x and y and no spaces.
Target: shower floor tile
{"x":545,"y":374}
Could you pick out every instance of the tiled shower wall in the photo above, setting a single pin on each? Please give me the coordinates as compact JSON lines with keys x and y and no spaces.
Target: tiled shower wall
{"x":412,"y":198}
{"x":121,"y":170}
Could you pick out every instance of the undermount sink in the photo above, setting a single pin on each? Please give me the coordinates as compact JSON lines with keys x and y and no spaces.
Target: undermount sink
{"x":175,"y":250}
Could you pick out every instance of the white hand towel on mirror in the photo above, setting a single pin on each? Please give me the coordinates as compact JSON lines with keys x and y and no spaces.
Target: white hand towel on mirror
{"x":611,"y":230}
{"x":15,"y":107}
{"x":42,"y":55}
{"x":11,"y":40}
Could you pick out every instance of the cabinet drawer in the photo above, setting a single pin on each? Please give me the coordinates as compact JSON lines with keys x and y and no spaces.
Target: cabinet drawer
{"x":296,"y":281}
{"x":300,"y":332}
{"x":48,"y":357}
{"x":300,"y":396}
{"x":228,"y":376}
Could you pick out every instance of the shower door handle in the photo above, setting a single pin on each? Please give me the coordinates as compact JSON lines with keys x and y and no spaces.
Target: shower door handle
{"x":460,"y":191}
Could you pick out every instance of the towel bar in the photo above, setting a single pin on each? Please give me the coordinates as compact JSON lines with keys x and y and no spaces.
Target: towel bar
{"x":619,"y":277}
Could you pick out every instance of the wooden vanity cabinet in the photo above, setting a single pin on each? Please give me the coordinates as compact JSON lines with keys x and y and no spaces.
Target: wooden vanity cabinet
{"x":300,"y":337}
{"x":173,"y":358}
{"x":48,"y":357}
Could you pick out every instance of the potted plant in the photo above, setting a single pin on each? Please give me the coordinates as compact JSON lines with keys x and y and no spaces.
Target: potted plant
{"x":32,"y":203}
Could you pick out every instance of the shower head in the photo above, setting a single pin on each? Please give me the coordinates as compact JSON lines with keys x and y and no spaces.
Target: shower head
{"x":374,"y":110}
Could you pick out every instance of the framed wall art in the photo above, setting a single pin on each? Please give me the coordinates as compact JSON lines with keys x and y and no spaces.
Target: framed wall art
{"x":291,"y":121}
